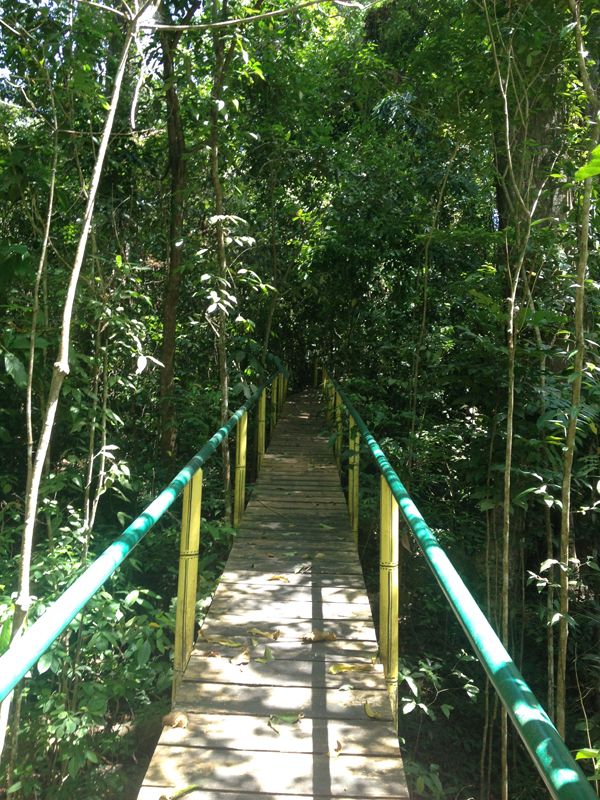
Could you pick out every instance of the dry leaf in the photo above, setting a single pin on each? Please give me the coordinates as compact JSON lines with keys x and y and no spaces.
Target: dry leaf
{"x":334,"y":669}
{"x":266,"y":634}
{"x":267,"y":657}
{"x":369,"y":711}
{"x":219,"y":640}
{"x":176,"y":719}
{"x":302,"y":568}
{"x":336,"y":751}
{"x":254,"y":642}
{"x":319,"y":636}
{"x":243,"y":657}
{"x":270,"y":555}
{"x":211,"y":654}
{"x":279,"y":578}
{"x":326,"y":527}
{"x":320,"y":555}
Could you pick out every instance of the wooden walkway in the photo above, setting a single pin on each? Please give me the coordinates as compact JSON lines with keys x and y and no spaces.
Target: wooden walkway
{"x":283,"y":725}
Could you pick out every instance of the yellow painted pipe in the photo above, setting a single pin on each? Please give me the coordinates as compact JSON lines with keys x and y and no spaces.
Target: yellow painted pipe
{"x":353,"y":473}
{"x":262,"y":424}
{"x":240,"y":470}
{"x":316,"y":373}
{"x":185,"y":619}
{"x":273,"y":406}
{"x":338,"y":429}
{"x":388,"y":592}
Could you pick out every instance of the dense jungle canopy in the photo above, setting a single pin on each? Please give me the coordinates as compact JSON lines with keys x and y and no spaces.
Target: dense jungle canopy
{"x":192,"y":194}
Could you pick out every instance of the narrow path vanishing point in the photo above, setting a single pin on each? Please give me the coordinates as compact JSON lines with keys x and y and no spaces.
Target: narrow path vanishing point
{"x":293,"y":568}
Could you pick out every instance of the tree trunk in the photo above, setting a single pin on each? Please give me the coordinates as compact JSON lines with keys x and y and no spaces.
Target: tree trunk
{"x":178,"y":170}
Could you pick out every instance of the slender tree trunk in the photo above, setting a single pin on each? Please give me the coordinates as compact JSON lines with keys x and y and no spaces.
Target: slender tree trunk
{"x":565,"y":527}
{"x":178,"y":170}
{"x":222,"y":62}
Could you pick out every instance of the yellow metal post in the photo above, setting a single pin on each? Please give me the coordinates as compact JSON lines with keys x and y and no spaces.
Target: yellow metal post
{"x":388,"y":592}
{"x":353,"y":473}
{"x":338,"y":429}
{"x":240,"y":469}
{"x":185,"y":619}
{"x":316,"y":374}
{"x":262,"y":422}
{"x":273,"y":405}
{"x":285,"y":384}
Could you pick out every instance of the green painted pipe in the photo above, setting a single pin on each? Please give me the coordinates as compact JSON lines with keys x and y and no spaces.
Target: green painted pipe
{"x":562,"y":776}
{"x":25,"y":651}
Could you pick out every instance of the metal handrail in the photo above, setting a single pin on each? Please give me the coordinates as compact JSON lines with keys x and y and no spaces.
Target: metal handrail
{"x":562,"y":776}
{"x":25,"y":650}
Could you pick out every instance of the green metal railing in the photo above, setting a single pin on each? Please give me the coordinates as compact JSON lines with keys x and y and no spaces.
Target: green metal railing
{"x":562,"y":776}
{"x":26,"y":650}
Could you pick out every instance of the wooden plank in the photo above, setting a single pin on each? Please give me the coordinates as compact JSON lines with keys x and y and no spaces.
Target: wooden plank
{"x":239,"y":576}
{"x":359,"y":630}
{"x":239,"y":698}
{"x":269,"y":592}
{"x":281,"y":672}
{"x":270,"y":772}
{"x":246,"y":732}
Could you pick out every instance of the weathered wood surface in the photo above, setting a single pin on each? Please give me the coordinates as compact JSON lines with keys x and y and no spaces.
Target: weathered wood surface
{"x":293,"y":568}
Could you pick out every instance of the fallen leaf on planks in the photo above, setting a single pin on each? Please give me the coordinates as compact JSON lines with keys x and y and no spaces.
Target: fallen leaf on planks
{"x":211,"y":654}
{"x":270,"y":555}
{"x":336,"y":751}
{"x":279,"y":578}
{"x":276,"y":719}
{"x":266,"y":634}
{"x":326,"y":527}
{"x":319,"y":636}
{"x":243,"y":657}
{"x":347,"y":687}
{"x":267,"y":657}
{"x":291,"y":533}
{"x":176,"y":719}
{"x":335,"y":669}
{"x":179,"y":793}
{"x":369,"y":711}
{"x":320,"y":555}
{"x":222,"y":642}
{"x":254,"y":642}
{"x":302,"y":568}
{"x":290,"y":554}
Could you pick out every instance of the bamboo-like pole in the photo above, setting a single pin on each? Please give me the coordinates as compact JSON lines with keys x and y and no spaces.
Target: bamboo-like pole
{"x":285,"y":384}
{"x":337,"y":400}
{"x":353,"y":474}
{"x":262,"y":423}
{"x":273,"y":407}
{"x":388,"y":593}
{"x":240,"y":469}
{"x":316,"y":373}
{"x":188,"y":579}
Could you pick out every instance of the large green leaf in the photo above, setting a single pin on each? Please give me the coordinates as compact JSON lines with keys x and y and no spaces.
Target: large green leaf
{"x":15,"y":369}
{"x":591,"y":169}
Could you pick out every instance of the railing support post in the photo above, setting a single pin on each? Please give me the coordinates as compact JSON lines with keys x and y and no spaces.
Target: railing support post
{"x":316,"y":372}
{"x":388,"y":592}
{"x":353,"y":473}
{"x":338,"y":429}
{"x":262,"y":423}
{"x":285,"y":385}
{"x":273,"y":406}
{"x":240,"y":469}
{"x":185,"y":619}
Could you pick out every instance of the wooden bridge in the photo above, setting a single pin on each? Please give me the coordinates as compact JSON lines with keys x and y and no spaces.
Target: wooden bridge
{"x":282,"y":696}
